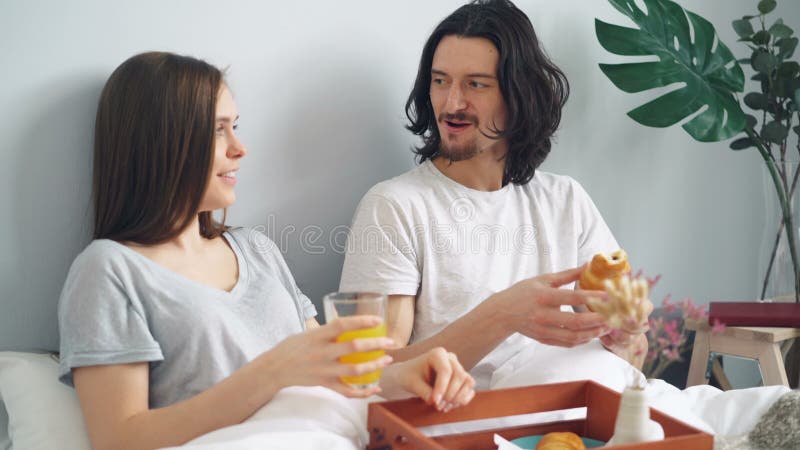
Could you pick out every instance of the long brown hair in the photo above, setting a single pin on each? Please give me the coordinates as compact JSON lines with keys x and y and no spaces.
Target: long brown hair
{"x":153,"y":148}
{"x":534,"y":89}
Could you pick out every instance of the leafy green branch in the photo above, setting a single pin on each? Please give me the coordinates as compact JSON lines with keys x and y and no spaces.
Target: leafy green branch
{"x":704,"y":80}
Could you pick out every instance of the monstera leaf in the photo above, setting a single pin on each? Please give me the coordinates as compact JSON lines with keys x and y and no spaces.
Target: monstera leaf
{"x":688,"y":53}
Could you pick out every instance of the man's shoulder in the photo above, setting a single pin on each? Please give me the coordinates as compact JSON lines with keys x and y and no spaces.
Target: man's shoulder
{"x":551,"y":184}
{"x":400,"y":188}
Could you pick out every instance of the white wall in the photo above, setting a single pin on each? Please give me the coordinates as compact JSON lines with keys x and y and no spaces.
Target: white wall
{"x":321,"y":88}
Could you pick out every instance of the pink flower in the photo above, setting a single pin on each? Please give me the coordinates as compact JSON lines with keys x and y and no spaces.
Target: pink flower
{"x":691,"y":311}
{"x":653,"y":281}
{"x":667,"y":304}
{"x":667,"y":339}
{"x":717,"y":327}
{"x":672,"y":354}
{"x":671,"y":328}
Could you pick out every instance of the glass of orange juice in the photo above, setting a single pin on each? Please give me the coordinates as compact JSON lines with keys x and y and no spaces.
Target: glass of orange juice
{"x":344,"y":304}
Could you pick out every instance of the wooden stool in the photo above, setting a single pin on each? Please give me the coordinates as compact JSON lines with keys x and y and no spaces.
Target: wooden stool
{"x":761,"y":344}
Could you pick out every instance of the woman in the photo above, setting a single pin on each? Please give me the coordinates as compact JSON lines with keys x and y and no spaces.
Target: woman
{"x":174,"y":325}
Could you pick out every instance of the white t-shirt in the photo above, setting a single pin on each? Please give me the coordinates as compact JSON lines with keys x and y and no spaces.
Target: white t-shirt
{"x":423,"y":234}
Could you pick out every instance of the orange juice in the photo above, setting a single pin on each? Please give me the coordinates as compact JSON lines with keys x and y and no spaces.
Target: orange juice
{"x":362,"y":357}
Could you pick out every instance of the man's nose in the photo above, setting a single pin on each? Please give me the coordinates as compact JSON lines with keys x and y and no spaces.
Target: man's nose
{"x":455,"y":99}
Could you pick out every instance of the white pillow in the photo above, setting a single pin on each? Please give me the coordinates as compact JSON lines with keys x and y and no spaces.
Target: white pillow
{"x":5,"y":442}
{"x":42,"y":412}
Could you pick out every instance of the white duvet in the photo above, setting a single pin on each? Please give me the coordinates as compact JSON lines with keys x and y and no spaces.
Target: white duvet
{"x":318,"y":418}
{"x":296,"y":418}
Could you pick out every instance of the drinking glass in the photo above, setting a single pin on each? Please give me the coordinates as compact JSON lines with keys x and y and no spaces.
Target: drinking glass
{"x":345,"y":304}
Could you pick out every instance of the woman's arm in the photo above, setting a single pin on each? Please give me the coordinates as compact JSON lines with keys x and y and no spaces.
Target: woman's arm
{"x":114,"y":398}
{"x":436,"y":376}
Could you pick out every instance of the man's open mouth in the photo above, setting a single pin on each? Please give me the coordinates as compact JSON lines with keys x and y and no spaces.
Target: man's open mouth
{"x":457,"y":125}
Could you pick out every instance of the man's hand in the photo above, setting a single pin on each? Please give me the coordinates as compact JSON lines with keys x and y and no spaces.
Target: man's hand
{"x":630,"y":341}
{"x":533,"y":307}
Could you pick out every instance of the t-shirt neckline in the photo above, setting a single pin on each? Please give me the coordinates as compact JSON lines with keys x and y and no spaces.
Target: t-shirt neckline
{"x":474,"y":193}
{"x":234,"y":293}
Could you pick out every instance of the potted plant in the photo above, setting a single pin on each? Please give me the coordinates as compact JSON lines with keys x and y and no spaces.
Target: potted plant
{"x":711,"y":79}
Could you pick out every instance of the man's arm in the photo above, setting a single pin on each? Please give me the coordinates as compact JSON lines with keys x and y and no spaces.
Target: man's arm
{"x":459,"y":337}
{"x":531,"y":307}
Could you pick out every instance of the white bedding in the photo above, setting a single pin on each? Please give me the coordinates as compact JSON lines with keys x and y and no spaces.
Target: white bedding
{"x":296,"y":418}
{"x":313,"y":418}
{"x":46,"y":415}
{"x":5,"y":441}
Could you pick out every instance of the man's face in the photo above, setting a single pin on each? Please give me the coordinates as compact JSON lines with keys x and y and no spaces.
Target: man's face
{"x":466,"y":97}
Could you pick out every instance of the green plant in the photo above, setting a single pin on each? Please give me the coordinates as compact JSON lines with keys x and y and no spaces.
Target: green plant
{"x":710,"y":78}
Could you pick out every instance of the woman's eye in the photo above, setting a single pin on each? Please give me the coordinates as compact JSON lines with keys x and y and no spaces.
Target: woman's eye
{"x":437,"y":81}
{"x":220,"y":131}
{"x":477,"y":84}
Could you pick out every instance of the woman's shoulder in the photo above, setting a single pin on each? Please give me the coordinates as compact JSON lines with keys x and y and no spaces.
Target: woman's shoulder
{"x":100,"y":268}
{"x":252,"y":240}
{"x":105,"y":261}
{"x":257,"y":248}
{"x":101,"y":254}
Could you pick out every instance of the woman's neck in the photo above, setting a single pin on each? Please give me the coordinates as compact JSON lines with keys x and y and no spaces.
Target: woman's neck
{"x":189,"y":240}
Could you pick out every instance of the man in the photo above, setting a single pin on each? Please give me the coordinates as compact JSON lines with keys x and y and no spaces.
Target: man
{"x":474,"y":244}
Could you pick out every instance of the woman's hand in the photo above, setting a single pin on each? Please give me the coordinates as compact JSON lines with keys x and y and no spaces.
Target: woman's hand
{"x":312,"y":358}
{"x":435,"y":376}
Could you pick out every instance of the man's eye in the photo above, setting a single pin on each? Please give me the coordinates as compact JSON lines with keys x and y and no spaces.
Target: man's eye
{"x":477,"y":84}
{"x":437,"y":81}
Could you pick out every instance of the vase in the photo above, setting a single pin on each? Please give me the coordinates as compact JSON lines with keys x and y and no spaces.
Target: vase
{"x":777,"y":271}
{"x":777,"y":282}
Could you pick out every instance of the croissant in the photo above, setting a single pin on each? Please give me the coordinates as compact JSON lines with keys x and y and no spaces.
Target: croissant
{"x":627,"y":303}
{"x":604,"y":267}
{"x":560,"y":441}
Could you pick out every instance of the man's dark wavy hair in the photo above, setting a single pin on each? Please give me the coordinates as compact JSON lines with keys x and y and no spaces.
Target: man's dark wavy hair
{"x":533,"y":88}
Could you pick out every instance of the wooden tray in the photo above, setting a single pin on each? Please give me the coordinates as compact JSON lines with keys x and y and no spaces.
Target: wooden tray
{"x":394,"y":425}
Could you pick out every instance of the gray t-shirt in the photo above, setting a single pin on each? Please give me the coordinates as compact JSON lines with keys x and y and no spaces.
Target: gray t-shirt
{"x":118,"y":306}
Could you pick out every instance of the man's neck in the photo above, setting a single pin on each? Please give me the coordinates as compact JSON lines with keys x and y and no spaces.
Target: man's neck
{"x":484,"y":172}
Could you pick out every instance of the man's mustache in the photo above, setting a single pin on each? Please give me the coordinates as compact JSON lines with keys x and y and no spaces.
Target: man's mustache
{"x":458,"y":117}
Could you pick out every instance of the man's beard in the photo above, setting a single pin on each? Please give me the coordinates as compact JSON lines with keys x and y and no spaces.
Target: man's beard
{"x":456,"y":152}
{"x":461,"y":152}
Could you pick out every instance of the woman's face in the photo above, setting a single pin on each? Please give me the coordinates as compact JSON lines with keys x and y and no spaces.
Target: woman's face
{"x":227,"y":151}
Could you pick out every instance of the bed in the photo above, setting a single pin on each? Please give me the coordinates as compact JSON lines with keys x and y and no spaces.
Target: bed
{"x":38,"y":413}
{"x":45,"y":414}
